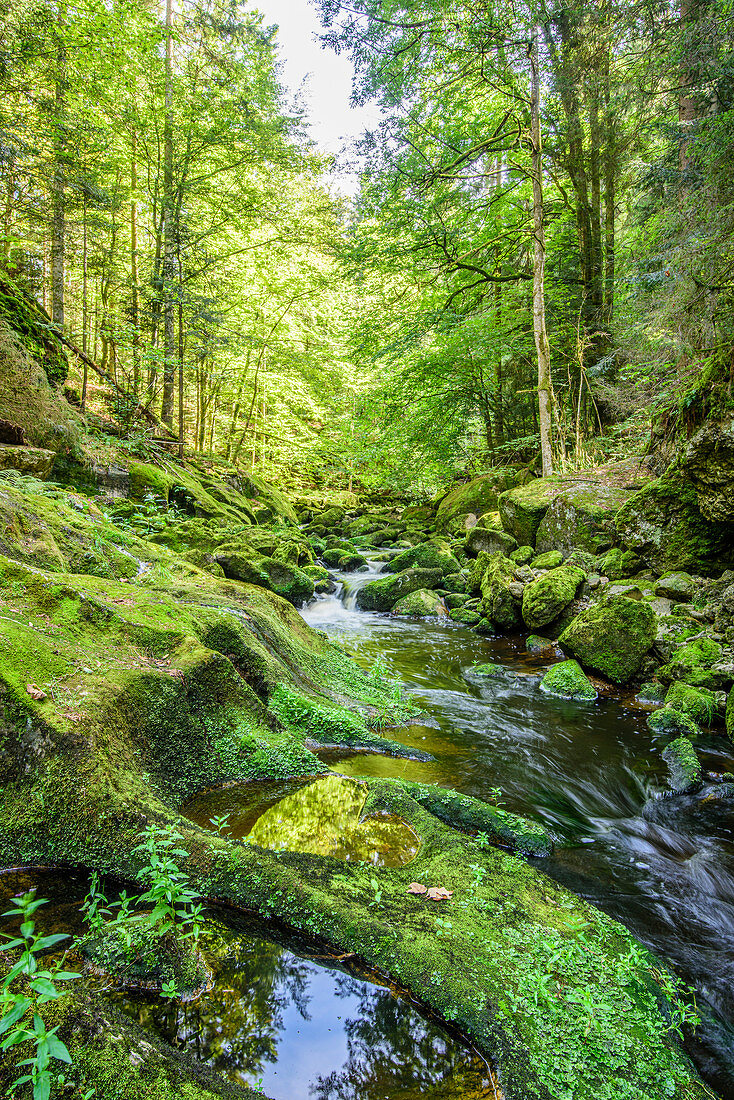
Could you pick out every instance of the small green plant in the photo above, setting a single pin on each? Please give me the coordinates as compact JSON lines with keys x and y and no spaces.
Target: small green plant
{"x":376,"y":890}
{"x":38,"y":987}
{"x":176,"y":904}
{"x":220,"y":823}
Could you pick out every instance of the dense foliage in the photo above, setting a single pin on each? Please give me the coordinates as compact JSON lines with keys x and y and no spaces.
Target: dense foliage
{"x":160,"y":197}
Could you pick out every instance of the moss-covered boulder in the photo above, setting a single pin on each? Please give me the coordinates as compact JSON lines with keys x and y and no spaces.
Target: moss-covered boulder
{"x":677,"y":586}
{"x":693,"y":662}
{"x":611,"y":637}
{"x":536,"y":643}
{"x":424,"y":555}
{"x":581,"y":517}
{"x":663,"y":524}
{"x":700,"y":704}
{"x":523,"y":555}
{"x":545,"y":598}
{"x":488,"y":540}
{"x":683,"y":765}
{"x":669,"y":722}
{"x":384,"y":593}
{"x":568,"y":681}
{"x":551,"y":559}
{"x":287,"y":580}
{"x":421,"y":604}
{"x":729,"y":716}
{"x":498,"y":603}
{"x":34,"y":461}
{"x":477,"y":496}
{"x":708,"y":463}
{"x":522,"y":509}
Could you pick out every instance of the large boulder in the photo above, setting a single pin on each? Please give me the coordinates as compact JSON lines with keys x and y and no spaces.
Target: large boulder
{"x":498,"y":603}
{"x":477,"y":497}
{"x":611,"y":637}
{"x":664,"y":525}
{"x":581,"y":517}
{"x":383,"y":594}
{"x":489,"y":540}
{"x":285,"y":579}
{"x":544,"y":599}
{"x":523,"y":509}
{"x":708,"y":464}
{"x":425,"y":555}
{"x":27,"y":460}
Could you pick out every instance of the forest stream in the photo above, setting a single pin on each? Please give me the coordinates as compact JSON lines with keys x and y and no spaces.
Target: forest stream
{"x":590,"y":773}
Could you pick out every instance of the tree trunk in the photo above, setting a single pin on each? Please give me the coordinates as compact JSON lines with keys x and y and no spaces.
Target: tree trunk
{"x":134,"y":272}
{"x":542,"y":346}
{"x":58,"y":193}
{"x":169,"y":234}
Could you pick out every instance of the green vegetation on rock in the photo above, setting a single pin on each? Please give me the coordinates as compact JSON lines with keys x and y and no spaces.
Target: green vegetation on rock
{"x":611,"y":637}
{"x":544,"y":599}
{"x":568,"y":680}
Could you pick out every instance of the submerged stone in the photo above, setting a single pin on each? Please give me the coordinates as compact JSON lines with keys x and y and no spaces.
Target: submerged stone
{"x":536,"y":643}
{"x":325,"y":819}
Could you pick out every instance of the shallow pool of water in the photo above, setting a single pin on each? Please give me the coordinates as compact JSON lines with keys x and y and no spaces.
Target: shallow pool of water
{"x":282,"y":1015}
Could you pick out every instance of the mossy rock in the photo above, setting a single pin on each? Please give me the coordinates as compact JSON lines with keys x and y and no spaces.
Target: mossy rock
{"x":568,"y":681}
{"x":33,"y":461}
{"x":651,"y":692}
{"x":286,"y":580}
{"x":545,"y":598}
{"x":34,"y":328}
{"x":662,"y":523}
{"x":618,"y":564}
{"x":581,"y":517}
{"x":522,"y":509}
{"x":489,"y":541}
{"x":425,"y":555}
{"x":498,"y":603}
{"x":523,"y":555}
{"x":669,"y":721}
{"x":683,"y":765}
{"x":698,"y":703}
{"x":477,"y":496}
{"x":455,"y":582}
{"x":676,"y":586}
{"x":148,"y":479}
{"x":729,"y":715}
{"x":611,"y":637}
{"x":421,"y":604}
{"x":551,"y":559}
{"x":487,"y":669}
{"x":536,"y":643}
{"x":383,"y":594}
{"x":465,"y":616}
{"x":693,"y":658}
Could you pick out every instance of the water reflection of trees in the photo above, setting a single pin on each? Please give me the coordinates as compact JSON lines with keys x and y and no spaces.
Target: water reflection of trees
{"x":393,"y":1051}
{"x":237,"y":1026}
{"x":324,"y":818}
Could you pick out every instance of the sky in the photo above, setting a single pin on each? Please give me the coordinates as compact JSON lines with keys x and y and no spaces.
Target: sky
{"x":328,"y":79}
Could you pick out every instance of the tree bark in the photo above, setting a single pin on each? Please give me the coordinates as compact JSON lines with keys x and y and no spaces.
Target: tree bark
{"x":169,"y":242}
{"x":58,"y":192}
{"x":542,"y":346}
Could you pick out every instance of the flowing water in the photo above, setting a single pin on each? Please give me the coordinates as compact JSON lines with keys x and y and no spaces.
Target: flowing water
{"x":591,"y":772}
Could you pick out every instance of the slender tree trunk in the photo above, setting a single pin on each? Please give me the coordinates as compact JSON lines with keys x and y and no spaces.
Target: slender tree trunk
{"x":8,"y":217}
{"x":169,"y":242}
{"x":85,"y":304}
{"x":596,"y":280}
{"x":610,"y":178}
{"x":542,"y":346}
{"x":134,"y":272}
{"x":58,"y":192}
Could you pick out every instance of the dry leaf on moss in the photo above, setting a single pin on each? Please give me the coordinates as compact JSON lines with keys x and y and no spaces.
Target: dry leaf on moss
{"x":35,"y":692}
{"x":417,"y":888}
{"x":439,"y":893}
